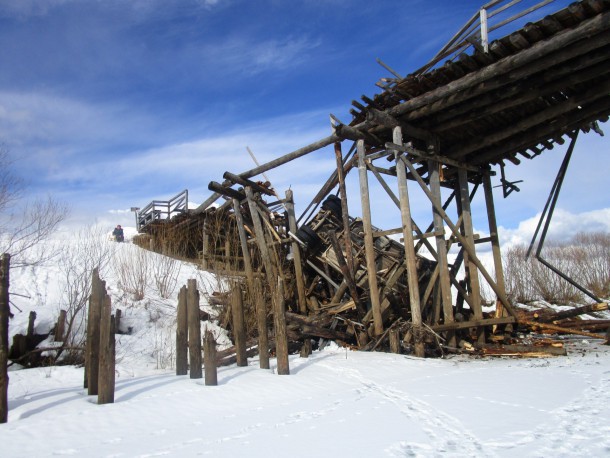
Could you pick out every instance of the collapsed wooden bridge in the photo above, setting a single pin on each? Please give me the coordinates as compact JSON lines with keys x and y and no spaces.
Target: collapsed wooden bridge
{"x":443,"y":127}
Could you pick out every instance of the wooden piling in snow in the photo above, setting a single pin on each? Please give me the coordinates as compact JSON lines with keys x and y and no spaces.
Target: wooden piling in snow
{"x":182,"y":334}
{"x":194,"y":327}
{"x":4,"y":348}
{"x":209,"y":355}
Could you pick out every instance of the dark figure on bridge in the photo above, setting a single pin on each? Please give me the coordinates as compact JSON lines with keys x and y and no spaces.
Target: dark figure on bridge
{"x":118,"y":233}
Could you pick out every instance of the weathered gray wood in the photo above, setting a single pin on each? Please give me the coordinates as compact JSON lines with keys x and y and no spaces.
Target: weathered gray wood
{"x":441,"y":245}
{"x":225,"y":191}
{"x":106,"y":376}
{"x":60,"y":327}
{"x":439,"y":210}
{"x":281,"y":338}
{"x":261,"y":308}
{"x":296,"y":253}
{"x":368,"y":240}
{"x":544,"y":54}
{"x":194,"y":326}
{"x":118,"y":314}
{"x":394,"y":338}
{"x":410,"y":260}
{"x":245,"y":182}
{"x":344,"y":210}
{"x":473,"y":323}
{"x":495,"y":241}
{"x":275,"y":163}
{"x":31,"y":324}
{"x":239,"y":325}
{"x":346,"y":273}
{"x":98,"y":291}
{"x":4,"y":341}
{"x":209,"y":355}
{"x":298,"y":268}
{"x":243,"y":240}
{"x":473,"y":273}
{"x":205,"y":247}
{"x":182,"y":334}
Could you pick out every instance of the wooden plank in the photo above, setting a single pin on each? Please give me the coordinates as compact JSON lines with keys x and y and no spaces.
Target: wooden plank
{"x":368,"y":240}
{"x":243,"y":240}
{"x":296,"y":254}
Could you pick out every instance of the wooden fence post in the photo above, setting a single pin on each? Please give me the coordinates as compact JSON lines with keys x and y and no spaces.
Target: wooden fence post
{"x":31,"y":324}
{"x":4,"y":314}
{"x":279,"y":321}
{"x":239,"y":327}
{"x":209,"y":359}
{"x":106,"y":376}
{"x":60,"y":327}
{"x":194,"y":326}
{"x":92,"y":354}
{"x":182,"y":334}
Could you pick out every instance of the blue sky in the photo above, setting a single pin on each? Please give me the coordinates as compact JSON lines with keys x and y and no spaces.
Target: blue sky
{"x":110,"y":104}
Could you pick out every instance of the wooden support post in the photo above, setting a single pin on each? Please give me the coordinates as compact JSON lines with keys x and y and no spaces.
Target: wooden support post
{"x":394,"y":338}
{"x":368,"y":240}
{"x":60,"y":327}
{"x":298,"y":268}
{"x":410,"y":260}
{"x":344,"y":210}
{"x":261,"y":308}
{"x":469,"y":249}
{"x":209,"y":355}
{"x":495,"y":241}
{"x":92,"y":362}
{"x":239,"y":327}
{"x":106,"y":376}
{"x":4,"y":346}
{"x":194,"y":325}
{"x":31,"y":324}
{"x":441,"y":248}
{"x":182,"y":334}
{"x":243,"y":240}
{"x":117,"y":321}
{"x":473,"y":272}
{"x":279,"y":321}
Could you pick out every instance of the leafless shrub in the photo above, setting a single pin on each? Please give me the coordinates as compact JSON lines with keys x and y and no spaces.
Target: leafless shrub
{"x":80,"y":256}
{"x":586,"y":259}
{"x":165,"y":273}
{"x":591,"y":256}
{"x":132,"y":267}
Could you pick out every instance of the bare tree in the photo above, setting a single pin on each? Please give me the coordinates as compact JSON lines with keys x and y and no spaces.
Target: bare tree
{"x":23,"y":225}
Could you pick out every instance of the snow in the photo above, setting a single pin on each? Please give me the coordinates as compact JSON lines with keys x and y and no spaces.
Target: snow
{"x":335,"y":403}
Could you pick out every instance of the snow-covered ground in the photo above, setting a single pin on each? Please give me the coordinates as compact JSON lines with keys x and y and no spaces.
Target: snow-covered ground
{"x":334,"y":403}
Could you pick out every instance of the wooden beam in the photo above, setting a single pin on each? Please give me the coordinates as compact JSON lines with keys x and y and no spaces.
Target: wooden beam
{"x":368,"y":240}
{"x":410,"y":260}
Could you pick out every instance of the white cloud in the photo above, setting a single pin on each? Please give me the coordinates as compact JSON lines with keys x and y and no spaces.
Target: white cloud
{"x":564,"y":225}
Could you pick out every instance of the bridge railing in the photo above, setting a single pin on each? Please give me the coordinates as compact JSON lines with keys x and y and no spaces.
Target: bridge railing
{"x":159,"y":210}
